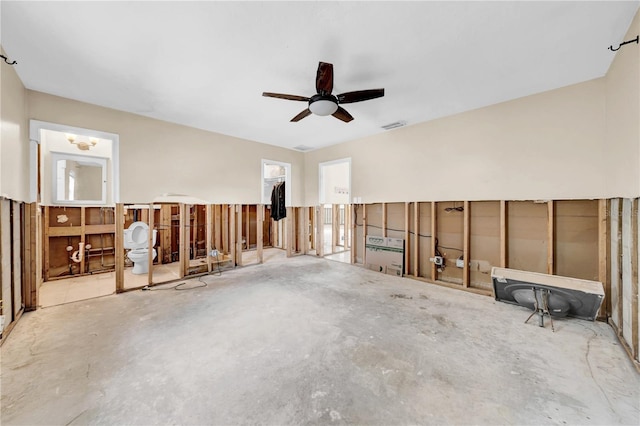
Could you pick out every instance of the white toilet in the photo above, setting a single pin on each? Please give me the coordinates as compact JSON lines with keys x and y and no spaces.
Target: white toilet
{"x":136,"y":238}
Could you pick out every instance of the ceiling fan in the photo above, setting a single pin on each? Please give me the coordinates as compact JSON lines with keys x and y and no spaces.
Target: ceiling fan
{"x":323,"y":102}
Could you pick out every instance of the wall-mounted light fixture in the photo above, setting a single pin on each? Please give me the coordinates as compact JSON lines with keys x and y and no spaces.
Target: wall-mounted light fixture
{"x":82,"y":145}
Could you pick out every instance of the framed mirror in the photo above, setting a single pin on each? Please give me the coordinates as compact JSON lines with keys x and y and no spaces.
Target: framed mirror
{"x":78,"y":179}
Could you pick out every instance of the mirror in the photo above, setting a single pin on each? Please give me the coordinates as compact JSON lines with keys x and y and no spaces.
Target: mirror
{"x":78,"y":179}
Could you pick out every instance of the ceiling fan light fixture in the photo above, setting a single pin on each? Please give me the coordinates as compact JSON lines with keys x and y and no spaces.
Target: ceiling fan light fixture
{"x":323,"y":107}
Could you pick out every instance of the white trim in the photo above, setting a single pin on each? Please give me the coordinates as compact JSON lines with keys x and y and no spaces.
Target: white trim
{"x":35,"y":128}
{"x":321,"y":166}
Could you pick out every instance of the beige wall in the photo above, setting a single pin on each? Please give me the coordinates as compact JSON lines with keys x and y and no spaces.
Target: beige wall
{"x":158,"y":158}
{"x":622,"y":150}
{"x":545,"y":146}
{"x":14,"y":136}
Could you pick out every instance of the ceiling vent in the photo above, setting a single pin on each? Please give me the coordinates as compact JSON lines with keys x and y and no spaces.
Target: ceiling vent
{"x":303,"y":148}
{"x":394,"y":125}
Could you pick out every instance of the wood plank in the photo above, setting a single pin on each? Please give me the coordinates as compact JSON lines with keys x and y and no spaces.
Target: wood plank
{"x":232,"y":233}
{"x":407,"y":249}
{"x":99,"y":229}
{"x":503,"y":234}
{"x":30,"y":258}
{"x":466,"y":240}
{"x":434,"y":231}
{"x":83,"y":239}
{"x":335,"y":227}
{"x":352,"y":235}
{"x":119,"y":247}
{"x":64,"y":231}
{"x":603,"y":269}
{"x":620,"y":302}
{"x":184,"y":260}
{"x":239,"y":229}
{"x":305,"y":230}
{"x":384,"y":219}
{"x":550,"y":237}
{"x":151,"y":224}
{"x":364,"y":234}
{"x":634,"y":279}
{"x":260,"y":232}
{"x":416,"y":240}
{"x":226,"y":246}
{"x":319,"y":230}
{"x":217,"y":220}
{"x":47,"y":234}
{"x":164,"y":231}
{"x":209,"y":239}
{"x":346,"y":228}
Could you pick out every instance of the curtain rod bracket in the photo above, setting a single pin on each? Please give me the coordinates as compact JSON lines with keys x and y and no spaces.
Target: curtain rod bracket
{"x":6,"y":60}
{"x":635,"y":40}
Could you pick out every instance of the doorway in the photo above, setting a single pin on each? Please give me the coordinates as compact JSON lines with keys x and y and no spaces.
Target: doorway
{"x":334,"y":197}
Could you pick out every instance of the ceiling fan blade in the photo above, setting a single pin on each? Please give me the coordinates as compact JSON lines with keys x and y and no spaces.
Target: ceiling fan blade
{"x":324,"y":78}
{"x":302,"y":115}
{"x":283,"y":96}
{"x":360,"y":95}
{"x":343,"y":115}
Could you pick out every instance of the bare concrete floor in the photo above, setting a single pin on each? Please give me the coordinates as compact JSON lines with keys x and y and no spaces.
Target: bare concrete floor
{"x":310,"y":341}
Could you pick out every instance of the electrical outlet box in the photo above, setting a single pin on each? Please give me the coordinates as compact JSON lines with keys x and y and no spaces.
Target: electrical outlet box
{"x":213,"y":253}
{"x":460,"y":263}
{"x":438,"y":260}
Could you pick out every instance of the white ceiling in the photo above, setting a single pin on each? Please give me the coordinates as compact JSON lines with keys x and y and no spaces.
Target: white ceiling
{"x":206,"y":64}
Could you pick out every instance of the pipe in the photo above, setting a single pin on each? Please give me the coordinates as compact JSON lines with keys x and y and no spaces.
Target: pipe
{"x":78,"y":255}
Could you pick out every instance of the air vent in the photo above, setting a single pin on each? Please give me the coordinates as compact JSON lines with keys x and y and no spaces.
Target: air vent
{"x":394,"y":125}
{"x":303,"y":148}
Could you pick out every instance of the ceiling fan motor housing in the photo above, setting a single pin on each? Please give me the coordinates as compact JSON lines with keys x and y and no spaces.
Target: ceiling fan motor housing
{"x":321,"y":104}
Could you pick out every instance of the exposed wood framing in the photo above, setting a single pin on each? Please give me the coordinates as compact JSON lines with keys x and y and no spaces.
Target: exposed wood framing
{"x":550,"y":237}
{"x":346,"y":228}
{"x":29,"y":273}
{"x":247,"y":226}
{"x":335,"y":227}
{"x":239,"y":229}
{"x":226,"y":245}
{"x":119,"y":247}
{"x":47,"y":255}
{"x":603,"y":250}
{"x":634,"y":278}
{"x":164,"y":232}
{"x":83,"y":218}
{"x":319,"y":230}
{"x":260,"y":232}
{"x":416,"y":239}
{"x":503,"y":234}
{"x":305,"y":230}
{"x":209,"y":228}
{"x":150,"y":243}
{"x":466,"y":240}
{"x":289,"y":227}
{"x":384,"y":219}
{"x":217,"y":220}
{"x":619,"y":302}
{"x":184,"y":253}
{"x":232,"y":233}
{"x":352,"y":235}
{"x":364,"y":234}
{"x":407,"y":249}
{"x":434,"y":231}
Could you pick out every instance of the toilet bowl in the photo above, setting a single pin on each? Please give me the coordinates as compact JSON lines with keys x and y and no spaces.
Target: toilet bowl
{"x":136,"y":239}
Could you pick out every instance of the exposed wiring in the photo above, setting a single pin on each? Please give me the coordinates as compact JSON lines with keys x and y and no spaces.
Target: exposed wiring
{"x":179,"y":285}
